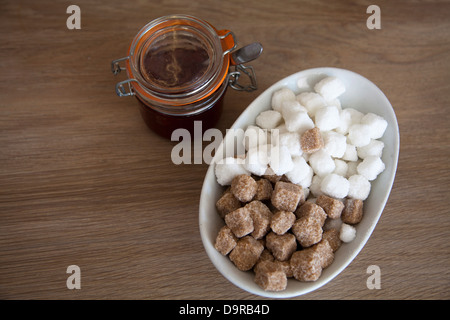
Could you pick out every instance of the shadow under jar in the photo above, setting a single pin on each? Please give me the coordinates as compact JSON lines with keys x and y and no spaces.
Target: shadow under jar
{"x":178,"y":68}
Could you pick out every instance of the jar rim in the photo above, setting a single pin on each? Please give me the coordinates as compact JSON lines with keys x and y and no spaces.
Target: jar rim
{"x":207,"y":83}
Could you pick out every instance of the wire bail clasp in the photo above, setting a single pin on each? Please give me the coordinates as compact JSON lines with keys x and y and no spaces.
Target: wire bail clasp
{"x":115,"y":65}
{"x":235,"y":75}
{"x":121,"y":90}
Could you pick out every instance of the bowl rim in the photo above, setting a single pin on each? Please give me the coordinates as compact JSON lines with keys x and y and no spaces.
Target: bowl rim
{"x":212,"y":252}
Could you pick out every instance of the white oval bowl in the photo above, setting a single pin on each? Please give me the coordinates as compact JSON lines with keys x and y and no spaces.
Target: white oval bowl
{"x":360,"y":94}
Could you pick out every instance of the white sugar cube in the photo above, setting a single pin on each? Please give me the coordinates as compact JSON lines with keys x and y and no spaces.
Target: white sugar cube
{"x":335,"y":102}
{"x":355,"y":115}
{"x":371,"y":167}
{"x":306,"y":190}
{"x":374,"y":148}
{"x":257,"y":159}
{"x":228,"y":168}
{"x":306,"y":156}
{"x":350,"y":154}
{"x":290,"y":106}
{"x":281,"y":128}
{"x":291,"y":140}
{"x":335,"y":186}
{"x":254,"y":136}
{"x":330,"y":88}
{"x":315,"y":186}
{"x":300,"y":171}
{"x":297,"y":120}
{"x":359,"y":187}
{"x":269,"y":119}
{"x":302,"y":83}
{"x":280,"y":160}
{"x":347,"y":233}
{"x":273,"y":135}
{"x":359,"y":135}
{"x":376,"y":123}
{"x":341,"y":167}
{"x":311,"y":101}
{"x":327,"y":118}
{"x":351,"y":167}
{"x":307,"y":180}
{"x":335,"y":143}
{"x":322,"y":163}
{"x":348,"y":116}
{"x":284,"y":94}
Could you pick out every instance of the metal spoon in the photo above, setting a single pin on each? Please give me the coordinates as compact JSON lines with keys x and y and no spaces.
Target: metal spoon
{"x":247,"y":53}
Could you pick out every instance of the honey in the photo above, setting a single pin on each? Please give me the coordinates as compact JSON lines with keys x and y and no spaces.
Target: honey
{"x":177,"y":67}
{"x":164,"y":124}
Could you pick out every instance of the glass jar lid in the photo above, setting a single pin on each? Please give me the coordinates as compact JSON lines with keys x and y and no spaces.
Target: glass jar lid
{"x":178,"y":58}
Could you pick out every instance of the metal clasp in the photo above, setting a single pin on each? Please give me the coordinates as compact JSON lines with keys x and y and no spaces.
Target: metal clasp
{"x":229,"y":33}
{"x":235,"y":75}
{"x":120,"y":87}
{"x":115,"y":65}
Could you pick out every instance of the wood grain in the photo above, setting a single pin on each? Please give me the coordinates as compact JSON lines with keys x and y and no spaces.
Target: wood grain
{"x":84,"y":182}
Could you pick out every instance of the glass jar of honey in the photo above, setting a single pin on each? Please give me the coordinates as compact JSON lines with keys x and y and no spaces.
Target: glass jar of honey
{"x":179,"y":68}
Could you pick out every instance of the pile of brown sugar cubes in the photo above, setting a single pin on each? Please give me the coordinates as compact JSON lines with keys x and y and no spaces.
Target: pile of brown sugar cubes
{"x":287,"y":219}
{"x":272,"y":229}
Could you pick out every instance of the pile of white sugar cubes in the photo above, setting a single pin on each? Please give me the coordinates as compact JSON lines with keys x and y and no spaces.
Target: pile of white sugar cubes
{"x":312,"y":141}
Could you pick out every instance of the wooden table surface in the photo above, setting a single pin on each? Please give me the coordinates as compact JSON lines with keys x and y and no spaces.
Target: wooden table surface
{"x":84,"y":182}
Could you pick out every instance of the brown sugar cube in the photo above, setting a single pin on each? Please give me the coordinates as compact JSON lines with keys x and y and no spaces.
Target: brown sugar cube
{"x":324,"y":253}
{"x":332,"y":224}
{"x":282,"y":221}
{"x":225,"y":241}
{"x":261,"y":216}
{"x":227,"y":203}
{"x":332,"y":236}
{"x":311,"y":140}
{"x":243,"y":187}
{"x":307,"y":231}
{"x":286,"y":266}
{"x":240,"y":222}
{"x":312,"y":210}
{"x":262,"y":241}
{"x":282,"y":246}
{"x":305,"y":265}
{"x":271,"y":277}
{"x":353,"y":211}
{"x":264,"y":190}
{"x":271,"y":176}
{"x":332,"y":207}
{"x":286,"y":196}
{"x":246,"y":253}
{"x":266,"y":255}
